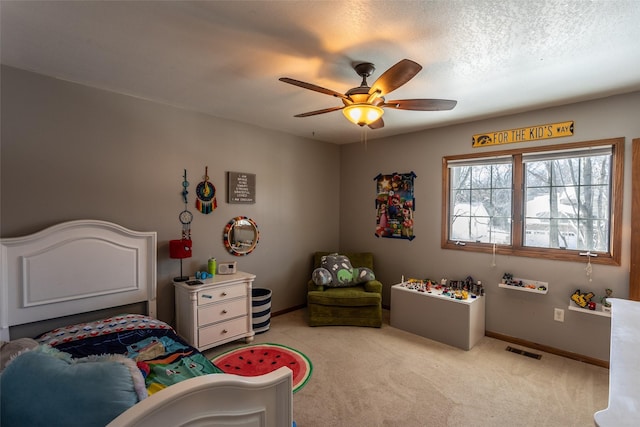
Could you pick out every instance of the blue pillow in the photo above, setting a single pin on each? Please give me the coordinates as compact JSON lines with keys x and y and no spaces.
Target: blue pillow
{"x":45,"y":386}
{"x":321,"y":277}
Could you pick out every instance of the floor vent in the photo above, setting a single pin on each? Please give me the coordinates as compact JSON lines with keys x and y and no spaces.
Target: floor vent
{"x":524,"y":353}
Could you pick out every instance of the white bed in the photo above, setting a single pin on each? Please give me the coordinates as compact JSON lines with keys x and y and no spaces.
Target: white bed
{"x":87,"y":265}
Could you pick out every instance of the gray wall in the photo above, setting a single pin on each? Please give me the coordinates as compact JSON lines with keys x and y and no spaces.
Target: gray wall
{"x":518,"y":314}
{"x":72,"y":152}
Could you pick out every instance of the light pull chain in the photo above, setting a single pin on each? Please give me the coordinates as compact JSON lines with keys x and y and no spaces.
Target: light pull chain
{"x":363,"y":137}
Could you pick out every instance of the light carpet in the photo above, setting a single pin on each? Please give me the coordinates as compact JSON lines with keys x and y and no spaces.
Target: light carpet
{"x":367,"y":377}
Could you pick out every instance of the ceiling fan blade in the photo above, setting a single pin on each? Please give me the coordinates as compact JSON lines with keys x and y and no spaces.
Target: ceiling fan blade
{"x":312,"y":87}
{"x":421,"y":104}
{"x":396,"y":76}
{"x":377,"y":124}
{"x":314,"y":113}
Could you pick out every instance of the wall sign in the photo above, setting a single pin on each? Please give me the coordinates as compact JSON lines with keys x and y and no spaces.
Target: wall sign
{"x":531,"y":133}
{"x":241,"y":187}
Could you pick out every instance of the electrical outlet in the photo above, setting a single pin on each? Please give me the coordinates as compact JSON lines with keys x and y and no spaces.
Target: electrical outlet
{"x":558,"y":315}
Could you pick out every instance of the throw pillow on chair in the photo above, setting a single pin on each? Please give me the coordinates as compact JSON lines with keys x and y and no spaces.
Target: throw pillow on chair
{"x":337,"y":271}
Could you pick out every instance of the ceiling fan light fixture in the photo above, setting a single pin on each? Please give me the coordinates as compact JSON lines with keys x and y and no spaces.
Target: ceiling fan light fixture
{"x":362,"y":114}
{"x":363,"y":104}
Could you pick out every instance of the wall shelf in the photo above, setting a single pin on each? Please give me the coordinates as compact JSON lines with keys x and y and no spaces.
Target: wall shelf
{"x":526,"y":282}
{"x":598,"y":311}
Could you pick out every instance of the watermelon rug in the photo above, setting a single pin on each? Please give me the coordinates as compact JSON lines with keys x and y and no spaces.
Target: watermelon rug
{"x":259,"y":359}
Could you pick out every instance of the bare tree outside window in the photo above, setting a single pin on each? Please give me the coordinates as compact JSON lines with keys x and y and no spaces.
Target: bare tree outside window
{"x":567,"y":203}
{"x":552,"y":202}
{"x":481,"y":203}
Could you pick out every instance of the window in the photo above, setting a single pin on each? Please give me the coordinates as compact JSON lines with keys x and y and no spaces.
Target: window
{"x":480,"y":200}
{"x":555,"y":202}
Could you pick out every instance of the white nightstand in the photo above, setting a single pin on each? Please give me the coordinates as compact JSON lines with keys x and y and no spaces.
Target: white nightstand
{"x":216,"y":312}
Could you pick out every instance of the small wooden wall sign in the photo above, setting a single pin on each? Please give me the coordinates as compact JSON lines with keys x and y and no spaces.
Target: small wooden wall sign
{"x":241,"y":187}
{"x":531,"y":133}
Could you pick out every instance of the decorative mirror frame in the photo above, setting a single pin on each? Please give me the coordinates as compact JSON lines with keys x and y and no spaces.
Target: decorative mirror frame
{"x":228,"y":230}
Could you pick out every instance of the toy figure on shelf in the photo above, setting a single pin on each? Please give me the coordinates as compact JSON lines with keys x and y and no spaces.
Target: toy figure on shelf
{"x":458,"y":289}
{"x":606,"y":305}
{"x":468,"y":283}
{"x":581,"y":298}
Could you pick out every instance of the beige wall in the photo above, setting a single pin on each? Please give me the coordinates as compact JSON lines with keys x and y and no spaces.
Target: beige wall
{"x":71,"y":152}
{"x":519,"y":314}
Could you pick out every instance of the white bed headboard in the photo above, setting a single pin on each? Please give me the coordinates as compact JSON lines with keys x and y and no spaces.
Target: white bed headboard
{"x":75,"y":267}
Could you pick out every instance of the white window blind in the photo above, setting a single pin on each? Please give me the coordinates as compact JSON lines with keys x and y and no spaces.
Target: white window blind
{"x":558,"y":155}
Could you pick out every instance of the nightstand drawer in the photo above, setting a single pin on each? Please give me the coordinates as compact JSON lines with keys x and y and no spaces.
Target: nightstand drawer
{"x":222,"y":331}
{"x":221,"y":293}
{"x":222,"y":311}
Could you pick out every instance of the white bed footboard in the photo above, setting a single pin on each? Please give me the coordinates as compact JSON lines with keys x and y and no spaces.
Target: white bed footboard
{"x":217,"y":400}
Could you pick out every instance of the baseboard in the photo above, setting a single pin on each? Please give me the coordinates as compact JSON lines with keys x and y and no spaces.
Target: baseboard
{"x":288,"y":310}
{"x":548,"y":349}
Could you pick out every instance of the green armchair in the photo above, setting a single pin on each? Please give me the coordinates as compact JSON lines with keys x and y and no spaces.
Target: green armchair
{"x":359,"y":305}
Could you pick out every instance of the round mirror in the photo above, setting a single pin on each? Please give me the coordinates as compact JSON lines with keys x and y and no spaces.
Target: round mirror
{"x":241,"y":236}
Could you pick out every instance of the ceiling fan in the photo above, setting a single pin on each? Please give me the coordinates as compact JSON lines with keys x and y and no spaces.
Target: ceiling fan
{"x":363,"y":105}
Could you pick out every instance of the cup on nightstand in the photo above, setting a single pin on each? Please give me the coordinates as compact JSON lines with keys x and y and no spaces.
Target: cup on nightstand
{"x":211,"y":266}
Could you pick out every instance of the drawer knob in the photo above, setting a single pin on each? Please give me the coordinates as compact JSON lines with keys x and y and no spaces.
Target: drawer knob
{"x":224,"y":331}
{"x":207,"y":296}
{"x":224,"y":311}
{"x":224,"y":294}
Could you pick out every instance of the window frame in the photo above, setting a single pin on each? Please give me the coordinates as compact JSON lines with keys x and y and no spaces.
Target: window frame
{"x":612,"y":257}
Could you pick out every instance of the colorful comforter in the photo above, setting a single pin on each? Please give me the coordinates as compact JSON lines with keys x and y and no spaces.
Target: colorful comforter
{"x":161,"y":355}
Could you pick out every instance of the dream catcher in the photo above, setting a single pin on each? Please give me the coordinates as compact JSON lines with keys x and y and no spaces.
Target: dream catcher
{"x":206,"y":195}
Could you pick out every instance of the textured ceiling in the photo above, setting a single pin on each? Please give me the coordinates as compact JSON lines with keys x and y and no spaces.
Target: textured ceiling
{"x":224,"y":58}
